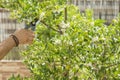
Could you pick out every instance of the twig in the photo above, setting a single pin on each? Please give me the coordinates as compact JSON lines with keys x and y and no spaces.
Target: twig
{"x":65,"y":14}
{"x":50,"y":27}
{"x":113,"y":65}
{"x":59,"y":29}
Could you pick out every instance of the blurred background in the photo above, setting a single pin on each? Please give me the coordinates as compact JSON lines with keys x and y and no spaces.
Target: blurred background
{"x":102,"y":9}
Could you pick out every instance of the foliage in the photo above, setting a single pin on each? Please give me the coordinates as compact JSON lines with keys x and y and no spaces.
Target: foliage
{"x":15,"y":77}
{"x":69,"y":45}
{"x":18,"y":77}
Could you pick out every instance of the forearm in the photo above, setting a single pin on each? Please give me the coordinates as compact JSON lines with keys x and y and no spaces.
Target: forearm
{"x":6,"y":46}
{"x":22,"y":36}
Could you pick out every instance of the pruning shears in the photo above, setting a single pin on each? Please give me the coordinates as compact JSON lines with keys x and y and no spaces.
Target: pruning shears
{"x":32,"y":25}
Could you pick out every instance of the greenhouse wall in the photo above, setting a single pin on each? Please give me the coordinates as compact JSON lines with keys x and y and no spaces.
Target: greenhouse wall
{"x":103,"y":9}
{"x":7,"y":24}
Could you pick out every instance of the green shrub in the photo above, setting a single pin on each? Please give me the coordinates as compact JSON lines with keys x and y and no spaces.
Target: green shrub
{"x":70,"y":45}
{"x":87,"y":49}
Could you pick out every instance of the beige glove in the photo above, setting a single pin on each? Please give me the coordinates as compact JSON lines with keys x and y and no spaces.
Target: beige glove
{"x":24,"y":36}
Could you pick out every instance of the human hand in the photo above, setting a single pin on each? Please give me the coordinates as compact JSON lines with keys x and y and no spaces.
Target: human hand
{"x":24,"y":36}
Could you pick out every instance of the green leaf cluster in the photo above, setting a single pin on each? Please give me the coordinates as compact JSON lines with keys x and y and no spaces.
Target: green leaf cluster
{"x":69,"y":45}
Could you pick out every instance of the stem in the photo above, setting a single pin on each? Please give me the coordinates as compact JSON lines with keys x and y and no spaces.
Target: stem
{"x":50,"y":27}
{"x":59,"y":29}
{"x":66,"y":15}
{"x":116,"y":64}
